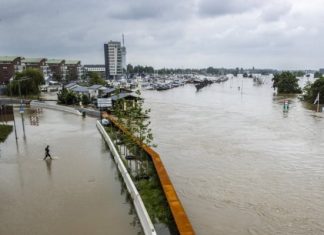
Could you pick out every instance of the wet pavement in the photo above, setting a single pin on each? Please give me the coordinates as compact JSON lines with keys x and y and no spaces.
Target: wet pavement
{"x":239,"y":164}
{"x":79,"y":192}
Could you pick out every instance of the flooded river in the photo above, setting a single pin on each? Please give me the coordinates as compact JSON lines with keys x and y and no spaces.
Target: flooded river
{"x":239,"y":164}
{"x":78,"y":192}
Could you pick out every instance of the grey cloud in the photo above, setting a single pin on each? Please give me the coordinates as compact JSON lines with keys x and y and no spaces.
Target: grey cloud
{"x":165,"y":33}
{"x":136,"y":10}
{"x":276,"y":11}
{"x":218,"y":8}
{"x":148,"y":9}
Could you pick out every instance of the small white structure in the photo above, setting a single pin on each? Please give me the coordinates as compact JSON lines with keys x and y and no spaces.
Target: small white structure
{"x":94,"y":90}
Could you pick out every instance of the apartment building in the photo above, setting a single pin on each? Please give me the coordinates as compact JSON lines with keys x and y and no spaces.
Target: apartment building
{"x":37,"y":63}
{"x":73,"y":69}
{"x":9,"y":65}
{"x":57,"y":69}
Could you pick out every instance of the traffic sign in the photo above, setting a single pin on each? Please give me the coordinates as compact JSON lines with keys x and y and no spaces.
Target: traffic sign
{"x":21,"y":109}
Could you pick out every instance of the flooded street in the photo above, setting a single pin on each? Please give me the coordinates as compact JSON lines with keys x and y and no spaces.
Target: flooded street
{"x":239,"y":164}
{"x":78,"y":192}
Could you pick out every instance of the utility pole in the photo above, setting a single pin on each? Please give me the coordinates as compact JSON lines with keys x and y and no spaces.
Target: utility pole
{"x":13,"y":113}
{"x":318,"y":102}
{"x":242,"y":86}
{"x":21,"y":109}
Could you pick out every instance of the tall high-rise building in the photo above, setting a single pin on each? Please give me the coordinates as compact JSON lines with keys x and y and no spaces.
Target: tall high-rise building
{"x":113,"y":60}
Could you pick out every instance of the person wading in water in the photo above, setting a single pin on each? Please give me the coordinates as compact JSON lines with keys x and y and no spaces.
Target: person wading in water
{"x":47,"y":154}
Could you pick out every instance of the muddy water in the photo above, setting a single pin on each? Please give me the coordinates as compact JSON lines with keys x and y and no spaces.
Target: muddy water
{"x":77,"y":193}
{"x":239,"y":164}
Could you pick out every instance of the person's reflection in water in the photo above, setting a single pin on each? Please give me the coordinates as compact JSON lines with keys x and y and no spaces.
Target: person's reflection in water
{"x":49,"y":166}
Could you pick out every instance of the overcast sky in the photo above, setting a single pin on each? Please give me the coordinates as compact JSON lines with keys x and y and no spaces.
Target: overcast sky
{"x":282,"y":34}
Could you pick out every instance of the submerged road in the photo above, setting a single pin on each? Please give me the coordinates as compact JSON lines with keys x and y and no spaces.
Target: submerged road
{"x":79,"y":192}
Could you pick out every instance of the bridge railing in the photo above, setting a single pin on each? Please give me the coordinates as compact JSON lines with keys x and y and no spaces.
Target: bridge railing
{"x":54,"y":106}
{"x":141,"y":211}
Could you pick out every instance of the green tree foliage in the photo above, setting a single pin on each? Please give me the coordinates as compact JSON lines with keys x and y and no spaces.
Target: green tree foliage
{"x":286,"y":82}
{"x":5,"y":130}
{"x":85,"y":99}
{"x":141,"y":123}
{"x":130,"y":69}
{"x":26,"y":83}
{"x":95,"y":79}
{"x":212,"y":70}
{"x":299,"y":73}
{"x":134,"y":117}
{"x":312,"y":89}
{"x":317,"y":74}
{"x":67,"y":97}
{"x":143,"y":69}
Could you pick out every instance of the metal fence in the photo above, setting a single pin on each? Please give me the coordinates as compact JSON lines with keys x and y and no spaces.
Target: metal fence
{"x":137,"y":200}
{"x":54,"y":106}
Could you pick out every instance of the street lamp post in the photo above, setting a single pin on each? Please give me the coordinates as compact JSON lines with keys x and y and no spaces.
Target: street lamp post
{"x":13,"y":114}
{"x":21,"y":109}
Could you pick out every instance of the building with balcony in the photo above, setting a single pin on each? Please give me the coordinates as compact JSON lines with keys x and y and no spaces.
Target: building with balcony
{"x":9,"y":66}
{"x":37,"y":63}
{"x":113,"y":60}
{"x":57,"y":69}
{"x":73,"y":69}
{"x":98,"y":68}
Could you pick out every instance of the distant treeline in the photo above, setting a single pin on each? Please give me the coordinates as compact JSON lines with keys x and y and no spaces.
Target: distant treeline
{"x":139,"y":69}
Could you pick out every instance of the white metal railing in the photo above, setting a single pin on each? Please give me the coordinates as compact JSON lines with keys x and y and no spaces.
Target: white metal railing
{"x":141,"y":211}
{"x":54,"y":106}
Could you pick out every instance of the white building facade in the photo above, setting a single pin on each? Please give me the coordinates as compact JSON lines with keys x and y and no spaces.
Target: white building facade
{"x":114,"y":59}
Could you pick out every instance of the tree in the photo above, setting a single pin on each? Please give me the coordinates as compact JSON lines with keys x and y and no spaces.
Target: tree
{"x":212,"y":70}
{"x":312,"y":89}
{"x":85,"y":99}
{"x":317,"y":74}
{"x":299,"y":73}
{"x":286,"y":82}
{"x":130,"y":69}
{"x":134,"y":117}
{"x":95,"y":79}
{"x":67,"y":97}
{"x":149,"y":69}
{"x":26,"y":82}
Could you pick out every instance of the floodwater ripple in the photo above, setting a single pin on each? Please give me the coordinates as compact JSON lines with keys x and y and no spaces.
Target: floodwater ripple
{"x":239,"y":164}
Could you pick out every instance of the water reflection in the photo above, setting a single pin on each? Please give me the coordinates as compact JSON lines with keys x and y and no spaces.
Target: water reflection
{"x":49,"y":167}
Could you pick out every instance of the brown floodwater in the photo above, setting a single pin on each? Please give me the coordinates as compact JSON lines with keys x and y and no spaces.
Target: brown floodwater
{"x":79,"y":192}
{"x":239,"y":164}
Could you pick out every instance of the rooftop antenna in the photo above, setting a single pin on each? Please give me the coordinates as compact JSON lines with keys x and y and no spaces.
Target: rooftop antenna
{"x":123,"y":40}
